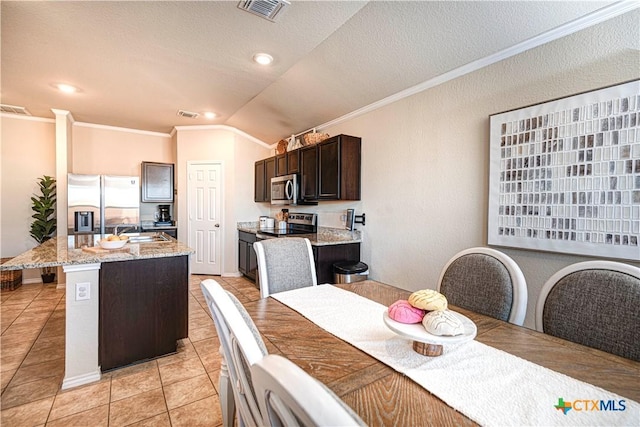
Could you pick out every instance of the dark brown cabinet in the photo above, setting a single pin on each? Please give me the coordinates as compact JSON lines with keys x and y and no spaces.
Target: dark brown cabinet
{"x":329,"y":170}
{"x":264,"y":170}
{"x":293,"y":163}
{"x":339,"y":168}
{"x":143,"y":309}
{"x":326,"y":256}
{"x":281,"y":164}
{"x":247,"y":259}
{"x":157,"y":182}
{"x":309,"y":173}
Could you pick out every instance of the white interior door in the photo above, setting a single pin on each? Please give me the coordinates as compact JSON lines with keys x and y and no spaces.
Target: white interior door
{"x":205,"y":233}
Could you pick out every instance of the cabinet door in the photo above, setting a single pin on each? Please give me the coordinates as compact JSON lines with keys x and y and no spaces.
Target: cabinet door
{"x":259,"y":186}
{"x":293,"y":163}
{"x":269,"y":172}
{"x":281,"y":164}
{"x":309,"y":173}
{"x":326,"y":256}
{"x":143,"y":309}
{"x":157,"y":182}
{"x":329,"y":169}
{"x":242,"y":256}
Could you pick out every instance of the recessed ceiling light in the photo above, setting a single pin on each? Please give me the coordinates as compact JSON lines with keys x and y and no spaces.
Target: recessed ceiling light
{"x":263,"y":58}
{"x":66,"y":88}
{"x":209,"y":115}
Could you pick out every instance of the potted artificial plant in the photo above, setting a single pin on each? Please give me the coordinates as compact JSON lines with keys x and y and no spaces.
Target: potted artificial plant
{"x":43,"y":226}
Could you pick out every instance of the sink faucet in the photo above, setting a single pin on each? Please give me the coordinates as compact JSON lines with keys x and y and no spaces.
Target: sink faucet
{"x":126,"y":227}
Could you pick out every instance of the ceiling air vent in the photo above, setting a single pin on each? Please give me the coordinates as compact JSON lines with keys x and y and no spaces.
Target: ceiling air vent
{"x":14,"y":109}
{"x":267,"y":9}
{"x":188,"y":114}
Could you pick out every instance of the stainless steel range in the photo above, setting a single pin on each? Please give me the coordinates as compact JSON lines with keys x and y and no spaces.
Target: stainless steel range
{"x":298,"y":223}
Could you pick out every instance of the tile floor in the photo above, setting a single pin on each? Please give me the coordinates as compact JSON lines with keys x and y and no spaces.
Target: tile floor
{"x":176,"y":390}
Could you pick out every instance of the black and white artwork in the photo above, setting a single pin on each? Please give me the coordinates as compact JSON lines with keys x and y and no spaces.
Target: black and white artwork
{"x":565,"y":175}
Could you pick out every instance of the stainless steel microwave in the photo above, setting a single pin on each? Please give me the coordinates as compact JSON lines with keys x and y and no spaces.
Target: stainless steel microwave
{"x":284,"y":190}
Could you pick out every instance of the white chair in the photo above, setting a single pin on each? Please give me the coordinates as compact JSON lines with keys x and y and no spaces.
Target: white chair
{"x":241,"y":347}
{"x":290,"y":397}
{"x":284,"y":264}
{"x":486,"y":281}
{"x":593,"y":303}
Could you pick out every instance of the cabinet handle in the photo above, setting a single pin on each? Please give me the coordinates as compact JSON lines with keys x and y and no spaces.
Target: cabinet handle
{"x":217,"y":225}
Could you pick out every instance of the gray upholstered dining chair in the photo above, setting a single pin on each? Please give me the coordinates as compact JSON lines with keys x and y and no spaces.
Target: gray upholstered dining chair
{"x":284,"y":264}
{"x":486,"y":281}
{"x":593,"y":303}
{"x":241,"y":346}
{"x":288,"y":396}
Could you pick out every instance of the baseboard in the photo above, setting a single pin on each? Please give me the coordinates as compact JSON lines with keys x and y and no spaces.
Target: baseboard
{"x":81,"y":380}
{"x":236,"y":274}
{"x":62,"y":286}
{"x":30,"y":281}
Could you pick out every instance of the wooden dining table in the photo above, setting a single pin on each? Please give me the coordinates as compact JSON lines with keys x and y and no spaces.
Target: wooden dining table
{"x":384,"y":397}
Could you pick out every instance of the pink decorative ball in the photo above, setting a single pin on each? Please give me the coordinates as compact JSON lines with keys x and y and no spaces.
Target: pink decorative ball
{"x":403,"y":312}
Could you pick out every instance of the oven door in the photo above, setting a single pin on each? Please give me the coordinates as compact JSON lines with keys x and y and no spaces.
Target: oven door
{"x":284,"y":190}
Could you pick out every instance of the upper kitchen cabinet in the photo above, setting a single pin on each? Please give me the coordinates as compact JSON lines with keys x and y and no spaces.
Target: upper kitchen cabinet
{"x":157,"y":182}
{"x":264,"y":170}
{"x":339,"y":168}
{"x":308,"y":173}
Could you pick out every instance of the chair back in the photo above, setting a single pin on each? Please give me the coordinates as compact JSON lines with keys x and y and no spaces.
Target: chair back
{"x":241,"y":345}
{"x":486,"y":281}
{"x":593,"y":303}
{"x":284,"y":264}
{"x":288,"y":396}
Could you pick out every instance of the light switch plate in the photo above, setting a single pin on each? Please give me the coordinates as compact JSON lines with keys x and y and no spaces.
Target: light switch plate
{"x":83,"y":291}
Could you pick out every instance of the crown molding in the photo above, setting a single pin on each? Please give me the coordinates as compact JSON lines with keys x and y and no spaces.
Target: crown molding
{"x":586,"y":21}
{"x":121,"y":129}
{"x":30,"y":118}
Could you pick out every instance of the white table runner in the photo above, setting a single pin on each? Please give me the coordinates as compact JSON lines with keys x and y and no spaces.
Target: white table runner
{"x":489,"y":386}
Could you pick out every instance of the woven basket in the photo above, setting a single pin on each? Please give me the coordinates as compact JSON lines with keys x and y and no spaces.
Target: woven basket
{"x":312,"y":138}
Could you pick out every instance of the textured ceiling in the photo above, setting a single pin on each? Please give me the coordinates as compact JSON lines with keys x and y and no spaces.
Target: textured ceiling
{"x":137,"y":63}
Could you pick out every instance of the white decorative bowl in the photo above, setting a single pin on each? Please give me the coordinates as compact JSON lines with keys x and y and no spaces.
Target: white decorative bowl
{"x":112,"y":244}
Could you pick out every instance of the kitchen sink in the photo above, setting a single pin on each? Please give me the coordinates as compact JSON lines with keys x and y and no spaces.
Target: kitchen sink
{"x":147,"y":237}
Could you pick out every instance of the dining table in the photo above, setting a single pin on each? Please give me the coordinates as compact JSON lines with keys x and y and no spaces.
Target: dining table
{"x":382,"y":396}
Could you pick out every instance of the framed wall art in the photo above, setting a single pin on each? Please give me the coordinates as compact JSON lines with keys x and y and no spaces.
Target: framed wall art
{"x":564,"y":175}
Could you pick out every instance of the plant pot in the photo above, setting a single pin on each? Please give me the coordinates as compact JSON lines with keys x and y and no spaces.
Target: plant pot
{"x":48,"y":277}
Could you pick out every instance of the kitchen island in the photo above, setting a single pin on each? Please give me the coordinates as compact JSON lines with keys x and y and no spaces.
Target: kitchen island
{"x":122,"y":306}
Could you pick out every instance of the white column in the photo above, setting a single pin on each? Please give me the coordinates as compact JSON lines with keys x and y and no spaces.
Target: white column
{"x":82,"y":311}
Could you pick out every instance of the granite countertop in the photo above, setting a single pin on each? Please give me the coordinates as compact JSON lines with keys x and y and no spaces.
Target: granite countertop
{"x":324,"y":237}
{"x":62,"y":251}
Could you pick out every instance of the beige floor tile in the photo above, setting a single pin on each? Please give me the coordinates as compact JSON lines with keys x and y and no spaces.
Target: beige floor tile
{"x":54,"y":368}
{"x":80,"y":399}
{"x":44,"y":355}
{"x":96,"y":417}
{"x":5,"y":377}
{"x":26,"y":330}
{"x":184,"y":392}
{"x":205,"y":412}
{"x":137,"y":383}
{"x":199,"y":334}
{"x":133,"y":369}
{"x":183,"y":370}
{"x":16,"y":395}
{"x":31,"y":414}
{"x":160,"y":420}
{"x":11,"y":361}
{"x":137,"y":408}
{"x":214,"y":377}
{"x":53,"y":328}
{"x":185,"y":352}
{"x":200,"y":322}
{"x":17,"y":346}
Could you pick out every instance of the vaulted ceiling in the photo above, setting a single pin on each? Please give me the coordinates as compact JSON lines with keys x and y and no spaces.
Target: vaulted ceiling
{"x":137,"y":63}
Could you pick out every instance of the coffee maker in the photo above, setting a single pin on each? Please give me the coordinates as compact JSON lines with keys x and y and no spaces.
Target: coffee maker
{"x":164,"y":215}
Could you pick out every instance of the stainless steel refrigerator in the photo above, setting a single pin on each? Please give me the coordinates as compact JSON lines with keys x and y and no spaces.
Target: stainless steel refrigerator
{"x":97,"y":203}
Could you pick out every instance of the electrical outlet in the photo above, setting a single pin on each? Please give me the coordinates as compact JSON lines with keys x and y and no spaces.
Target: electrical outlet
{"x":83,"y":291}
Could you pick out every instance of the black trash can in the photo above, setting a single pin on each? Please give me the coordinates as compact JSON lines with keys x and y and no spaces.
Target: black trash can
{"x":350,"y":271}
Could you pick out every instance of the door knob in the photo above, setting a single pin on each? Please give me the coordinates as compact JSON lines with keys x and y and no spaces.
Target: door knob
{"x":217,"y":225}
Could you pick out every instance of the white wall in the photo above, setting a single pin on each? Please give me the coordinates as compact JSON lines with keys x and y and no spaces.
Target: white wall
{"x":425,"y":158}
{"x":27,"y":148}
{"x":237,"y":153}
